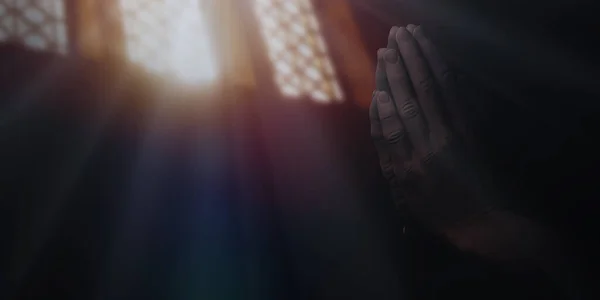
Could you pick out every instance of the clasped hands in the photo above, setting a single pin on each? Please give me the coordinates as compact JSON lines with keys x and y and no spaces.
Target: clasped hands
{"x":427,"y":153}
{"x":419,"y":130}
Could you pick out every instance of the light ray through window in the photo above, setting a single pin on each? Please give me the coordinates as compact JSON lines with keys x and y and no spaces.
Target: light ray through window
{"x":39,"y":24}
{"x":170,"y":38}
{"x":302,"y":66}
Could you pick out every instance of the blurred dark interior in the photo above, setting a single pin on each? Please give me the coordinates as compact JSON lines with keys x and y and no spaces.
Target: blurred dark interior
{"x":111,"y":188}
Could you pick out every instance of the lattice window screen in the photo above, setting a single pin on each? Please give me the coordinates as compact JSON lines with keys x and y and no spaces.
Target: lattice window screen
{"x":297,"y":50}
{"x":169,"y":38}
{"x":39,"y":24}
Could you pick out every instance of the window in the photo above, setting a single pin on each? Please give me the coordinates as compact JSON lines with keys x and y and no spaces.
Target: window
{"x":296,"y":47}
{"x":169,"y":38}
{"x":39,"y":24}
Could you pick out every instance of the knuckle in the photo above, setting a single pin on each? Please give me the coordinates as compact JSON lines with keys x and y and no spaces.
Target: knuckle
{"x":447,"y":77}
{"x":428,"y":158}
{"x":388,"y":115}
{"x":395,"y":137}
{"x":410,"y":109}
{"x":387,"y":170}
{"x":403,"y":173}
{"x":426,"y":84}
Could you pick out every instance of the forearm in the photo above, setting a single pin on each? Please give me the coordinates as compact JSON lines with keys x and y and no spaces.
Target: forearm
{"x":500,"y":235}
{"x":507,"y":237}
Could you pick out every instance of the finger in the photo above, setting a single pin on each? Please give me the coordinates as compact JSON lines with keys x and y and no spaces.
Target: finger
{"x":392,"y":128}
{"x":436,"y":63}
{"x":444,"y":78}
{"x":423,"y":83}
{"x":411,"y":28}
{"x":376,"y":132}
{"x":385,"y":159}
{"x":391,"y":44}
{"x":405,"y":101}
{"x":381,"y":81}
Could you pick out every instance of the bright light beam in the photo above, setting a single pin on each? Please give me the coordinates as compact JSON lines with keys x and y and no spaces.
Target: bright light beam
{"x":297,"y":49}
{"x":170,"y":38}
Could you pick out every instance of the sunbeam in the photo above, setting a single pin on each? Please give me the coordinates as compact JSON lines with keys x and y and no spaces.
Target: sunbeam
{"x":301,"y":63}
{"x":170,"y":38}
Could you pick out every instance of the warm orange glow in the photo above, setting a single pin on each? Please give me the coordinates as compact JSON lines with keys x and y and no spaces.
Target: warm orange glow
{"x":296,"y":47}
{"x":39,"y":24}
{"x":170,"y":38}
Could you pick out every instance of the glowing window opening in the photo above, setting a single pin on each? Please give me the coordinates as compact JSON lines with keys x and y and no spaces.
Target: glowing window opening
{"x":297,"y":50}
{"x":170,"y":38}
{"x":38,"y":24}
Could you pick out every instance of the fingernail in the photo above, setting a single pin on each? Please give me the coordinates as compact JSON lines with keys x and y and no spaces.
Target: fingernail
{"x":391,"y":56}
{"x":374,"y":93}
{"x":417,"y":31}
{"x":383,"y":97}
{"x":380,"y":53}
{"x":402,"y":34}
{"x":393,"y":31}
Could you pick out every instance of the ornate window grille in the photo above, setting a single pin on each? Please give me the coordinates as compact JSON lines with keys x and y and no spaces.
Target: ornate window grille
{"x":39,"y":24}
{"x":297,"y":50}
{"x":169,"y":38}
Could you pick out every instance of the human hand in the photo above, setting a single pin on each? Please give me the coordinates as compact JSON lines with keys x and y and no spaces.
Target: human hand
{"x":427,"y":154}
{"x":418,"y":126}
